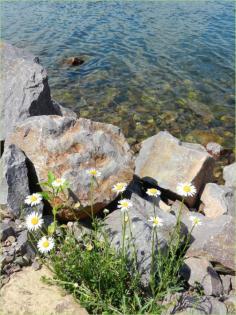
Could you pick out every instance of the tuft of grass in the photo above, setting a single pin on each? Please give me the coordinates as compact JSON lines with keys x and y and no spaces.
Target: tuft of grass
{"x":105,"y":280}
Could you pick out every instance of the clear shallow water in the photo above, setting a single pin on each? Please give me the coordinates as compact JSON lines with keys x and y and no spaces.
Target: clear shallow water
{"x":149,"y":65}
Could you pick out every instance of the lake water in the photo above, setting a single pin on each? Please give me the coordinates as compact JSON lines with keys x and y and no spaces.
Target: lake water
{"x":149,"y":65}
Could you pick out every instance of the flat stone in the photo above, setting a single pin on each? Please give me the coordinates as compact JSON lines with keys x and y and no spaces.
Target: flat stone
{"x":14,"y":185}
{"x":218,"y":200}
{"x":166,"y":161}
{"x":229,"y":175}
{"x":198,"y":270}
{"x":25,"y":293}
{"x":227,"y":283}
{"x":141,"y":228}
{"x":68,"y":148}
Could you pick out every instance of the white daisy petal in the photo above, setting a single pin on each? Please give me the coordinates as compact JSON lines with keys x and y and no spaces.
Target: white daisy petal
{"x":124,"y":205}
{"x":186,"y":189}
{"x":153,"y":192}
{"x":195,"y":220}
{"x":45,"y":244}
{"x":34,"y":199}
{"x":93,"y":172}
{"x":59,"y":182}
{"x":156,"y":221}
{"x":34,"y":221}
{"x":119,"y":187}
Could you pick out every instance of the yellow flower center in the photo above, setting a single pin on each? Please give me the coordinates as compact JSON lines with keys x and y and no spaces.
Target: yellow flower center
{"x":152,"y":191}
{"x":34,"y":198}
{"x":186,"y":189}
{"x":93,"y":172}
{"x":89,"y":247}
{"x":119,"y":186}
{"x":45,"y":244}
{"x":35,"y":220}
{"x":125,"y":204}
{"x":156,"y":221}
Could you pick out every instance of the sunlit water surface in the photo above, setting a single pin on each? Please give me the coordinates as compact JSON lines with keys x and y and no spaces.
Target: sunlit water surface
{"x":149,"y":65}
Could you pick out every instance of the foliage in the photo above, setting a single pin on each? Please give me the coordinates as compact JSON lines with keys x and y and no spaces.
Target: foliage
{"x":105,"y":280}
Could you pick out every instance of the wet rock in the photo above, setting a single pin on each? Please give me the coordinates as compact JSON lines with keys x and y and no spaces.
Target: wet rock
{"x":218,"y":200}
{"x":74,"y":61}
{"x":197,"y":271}
{"x":141,"y":231}
{"x":5,"y":231}
{"x":68,"y":147}
{"x":14,"y":185}
{"x":214,"y":149}
{"x":204,"y":137}
{"x":214,"y":239}
{"x":201,"y":110}
{"x":166,"y":161}
{"x":25,"y":90}
{"x":229,"y":175}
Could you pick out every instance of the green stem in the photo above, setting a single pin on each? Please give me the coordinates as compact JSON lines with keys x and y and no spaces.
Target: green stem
{"x":152,"y":277}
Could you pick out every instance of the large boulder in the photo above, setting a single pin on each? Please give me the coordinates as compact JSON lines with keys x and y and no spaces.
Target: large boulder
{"x":229,"y":175}
{"x":14,"y":185}
{"x":218,"y":200}
{"x":141,"y":229}
{"x":68,"y":147}
{"x":24,"y":91}
{"x":166,"y":161}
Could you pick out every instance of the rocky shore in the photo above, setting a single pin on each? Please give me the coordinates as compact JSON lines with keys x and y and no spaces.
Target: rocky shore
{"x":38,"y":135}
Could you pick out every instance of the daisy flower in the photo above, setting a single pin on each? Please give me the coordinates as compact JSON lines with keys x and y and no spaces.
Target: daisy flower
{"x":34,"y":199}
{"x":59,"y":182}
{"x":45,"y":244}
{"x":195,"y":220}
{"x":119,"y":187}
{"x":93,"y":172}
{"x":124,"y":204}
{"x":89,"y":247}
{"x":34,"y":221}
{"x":186,"y":189}
{"x":156,"y":221}
{"x":153,"y":192}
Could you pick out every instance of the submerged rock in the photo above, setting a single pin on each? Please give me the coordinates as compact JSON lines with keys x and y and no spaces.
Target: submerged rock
{"x":166,"y":161}
{"x":68,"y":147}
{"x":25,"y":91}
{"x":74,"y":61}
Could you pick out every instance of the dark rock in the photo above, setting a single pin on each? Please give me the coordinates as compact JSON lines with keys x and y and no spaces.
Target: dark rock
{"x":25,"y":90}
{"x":5,"y":231}
{"x":74,"y":61}
{"x":14,"y":185}
{"x":22,"y":240}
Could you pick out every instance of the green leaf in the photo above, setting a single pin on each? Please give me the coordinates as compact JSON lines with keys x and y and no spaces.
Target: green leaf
{"x":51,"y":177}
{"x":45,"y":195}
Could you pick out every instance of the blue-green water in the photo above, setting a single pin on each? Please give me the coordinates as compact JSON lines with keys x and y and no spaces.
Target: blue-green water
{"x":149,"y":65}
